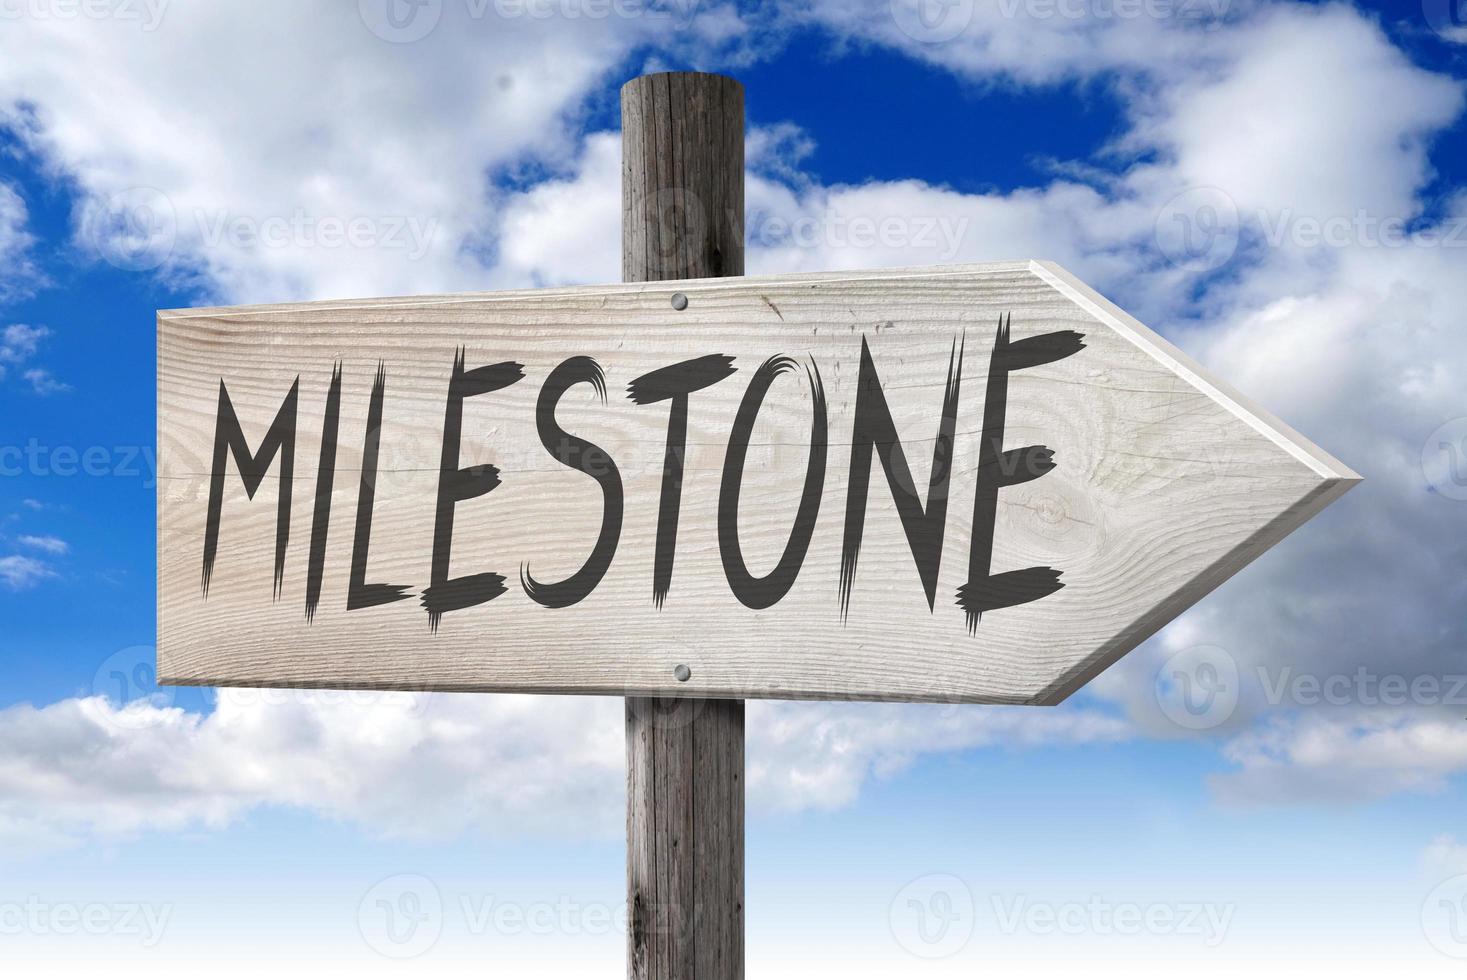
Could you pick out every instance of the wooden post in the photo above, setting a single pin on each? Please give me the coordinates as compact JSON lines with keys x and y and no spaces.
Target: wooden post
{"x":682,"y":198}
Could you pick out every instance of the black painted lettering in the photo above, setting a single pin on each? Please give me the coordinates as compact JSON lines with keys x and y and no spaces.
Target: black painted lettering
{"x":229,"y":440}
{"x":325,"y":480}
{"x":360,"y":595}
{"x":761,"y":593}
{"x":985,"y":592}
{"x":588,"y":458}
{"x":455,"y":485}
{"x":874,"y":429}
{"x":675,"y":382}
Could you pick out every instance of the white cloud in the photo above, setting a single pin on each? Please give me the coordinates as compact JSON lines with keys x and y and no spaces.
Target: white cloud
{"x":18,"y":572}
{"x":329,"y":162}
{"x":1315,"y":758}
{"x":537,"y":245}
{"x":1291,"y":113}
{"x":808,"y":756}
{"x":1357,"y":341}
{"x":1445,"y":856}
{"x":86,"y":766}
{"x":1026,"y":42}
{"x":47,"y":543}
{"x":18,"y":343}
{"x":18,"y":272}
{"x":44,"y":383}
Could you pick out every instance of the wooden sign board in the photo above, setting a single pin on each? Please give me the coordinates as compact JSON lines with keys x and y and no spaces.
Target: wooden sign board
{"x":963,"y":484}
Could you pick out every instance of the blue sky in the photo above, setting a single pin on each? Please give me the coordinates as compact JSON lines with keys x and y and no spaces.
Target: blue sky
{"x":266,"y":826}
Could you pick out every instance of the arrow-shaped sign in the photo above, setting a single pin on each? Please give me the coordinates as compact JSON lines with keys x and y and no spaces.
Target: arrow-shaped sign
{"x":980,"y":483}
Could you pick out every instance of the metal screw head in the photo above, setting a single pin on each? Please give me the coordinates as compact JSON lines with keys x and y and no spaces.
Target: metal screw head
{"x":681,"y":672}
{"x":679,"y":301}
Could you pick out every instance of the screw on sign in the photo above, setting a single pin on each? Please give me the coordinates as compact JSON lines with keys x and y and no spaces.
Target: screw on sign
{"x":967,"y":484}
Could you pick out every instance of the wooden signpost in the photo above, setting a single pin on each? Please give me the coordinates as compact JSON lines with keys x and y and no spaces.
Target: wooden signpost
{"x":964,"y":484}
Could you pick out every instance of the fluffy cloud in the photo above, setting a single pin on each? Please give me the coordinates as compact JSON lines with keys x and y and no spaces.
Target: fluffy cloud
{"x":47,"y":543}
{"x":18,"y":343}
{"x":18,"y":272}
{"x":88,"y":766}
{"x":1029,"y":42}
{"x":20,"y":572}
{"x":1317,"y":758}
{"x":1445,"y":856}
{"x":1279,"y":121}
{"x":42,"y":382}
{"x":1330,"y":298}
{"x":345,"y":155}
{"x":803,"y":756}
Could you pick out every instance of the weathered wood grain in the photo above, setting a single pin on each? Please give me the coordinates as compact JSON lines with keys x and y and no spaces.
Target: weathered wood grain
{"x":683,"y":196}
{"x":1166,"y":484}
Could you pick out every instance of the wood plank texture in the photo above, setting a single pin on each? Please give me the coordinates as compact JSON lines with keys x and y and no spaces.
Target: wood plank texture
{"x":1165,"y":483}
{"x":685,"y":838}
{"x":685,"y":756}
